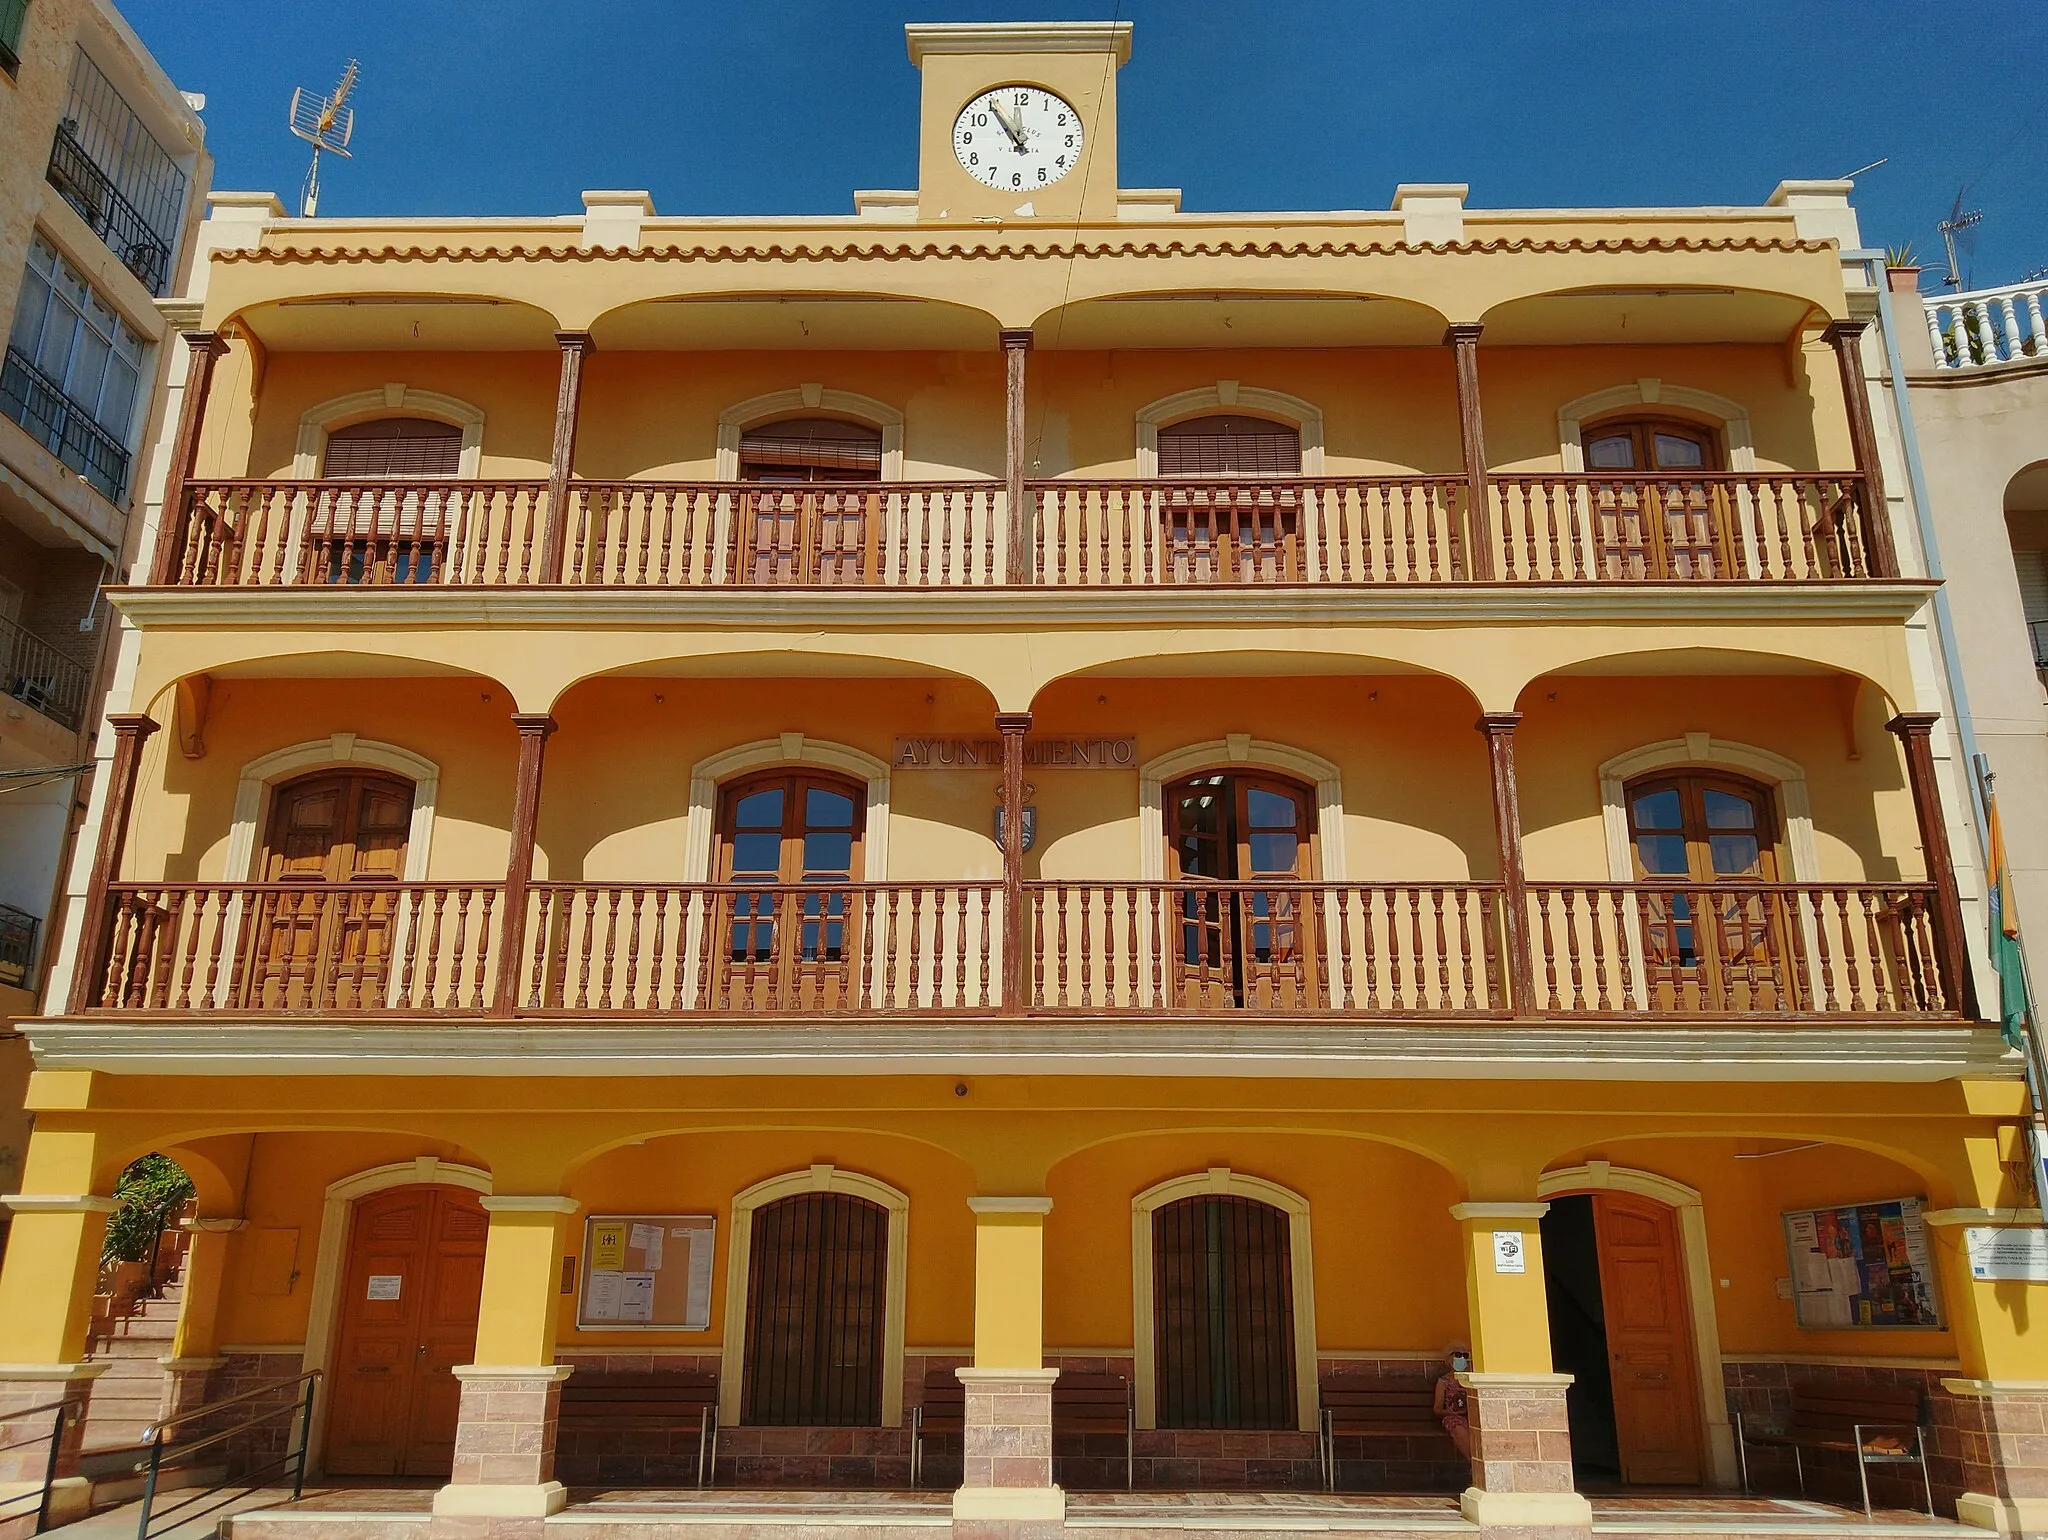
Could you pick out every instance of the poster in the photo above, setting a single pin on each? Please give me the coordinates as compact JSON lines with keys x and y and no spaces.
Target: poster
{"x":1862,"y":1265}
{"x":647,"y":1272}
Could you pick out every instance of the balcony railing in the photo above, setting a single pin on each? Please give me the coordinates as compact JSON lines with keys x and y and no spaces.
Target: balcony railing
{"x":62,"y":426}
{"x":1988,"y":327}
{"x":37,"y":674}
{"x":1308,"y":950}
{"x":113,"y":218}
{"x":1362,"y":531}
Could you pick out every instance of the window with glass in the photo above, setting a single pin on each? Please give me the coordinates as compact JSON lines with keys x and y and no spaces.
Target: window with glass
{"x":1236,"y":845}
{"x":12,"y":13}
{"x":1673,"y":521}
{"x":789,"y":848}
{"x":74,"y":369}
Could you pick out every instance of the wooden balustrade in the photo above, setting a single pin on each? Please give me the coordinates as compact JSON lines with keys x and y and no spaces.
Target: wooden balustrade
{"x":1249,"y":530}
{"x":1434,"y":950}
{"x":315,"y":948}
{"x":1295,"y":947}
{"x":1546,"y":527}
{"x":1747,"y":526}
{"x":373,"y":533}
{"x":762,"y":949}
{"x":1737,"y":949}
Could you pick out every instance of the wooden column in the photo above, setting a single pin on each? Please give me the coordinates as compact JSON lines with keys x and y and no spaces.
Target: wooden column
{"x":576,"y":346}
{"x":1499,"y":728}
{"x":1846,"y":337}
{"x":1019,"y":528}
{"x":1462,"y":339}
{"x":205,"y":348}
{"x":1915,"y":730}
{"x":89,"y":963}
{"x":534,"y":732}
{"x":1013,"y":725}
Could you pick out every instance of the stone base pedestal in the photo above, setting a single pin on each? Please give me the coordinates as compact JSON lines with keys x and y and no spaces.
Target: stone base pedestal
{"x":188,"y":1384}
{"x":503,"y":1484}
{"x":29,"y":1394}
{"x":2004,"y":1430}
{"x":1522,"y":1459}
{"x":1006,"y":1490}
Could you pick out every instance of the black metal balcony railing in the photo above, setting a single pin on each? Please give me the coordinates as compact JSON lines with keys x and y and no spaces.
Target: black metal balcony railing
{"x":37,"y":674}
{"x":113,"y":218}
{"x":65,"y":428}
{"x":18,"y":932}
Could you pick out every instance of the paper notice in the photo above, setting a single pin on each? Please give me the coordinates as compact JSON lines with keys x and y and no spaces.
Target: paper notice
{"x":636,"y":1299}
{"x":699,"y":1306}
{"x":602,"y":1295}
{"x":608,"y":1248}
{"x":385,"y":1286}
{"x":646,"y":1239}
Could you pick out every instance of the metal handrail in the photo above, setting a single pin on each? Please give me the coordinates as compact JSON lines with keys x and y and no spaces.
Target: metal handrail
{"x":68,"y":1411}
{"x":155,"y":1437}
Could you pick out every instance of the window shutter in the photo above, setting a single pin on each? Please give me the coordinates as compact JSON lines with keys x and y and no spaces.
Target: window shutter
{"x":814,"y":443}
{"x":1229,"y":446}
{"x":395,"y":446}
{"x":2032,"y":567}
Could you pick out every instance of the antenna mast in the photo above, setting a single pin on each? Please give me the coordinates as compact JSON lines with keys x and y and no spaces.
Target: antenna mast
{"x":1957,"y":222}
{"x":324,"y":122}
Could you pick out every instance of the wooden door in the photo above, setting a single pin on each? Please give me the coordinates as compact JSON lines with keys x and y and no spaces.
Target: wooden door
{"x":409,"y":1309}
{"x":321,"y":947}
{"x":1252,"y":943}
{"x":817,"y":1290}
{"x":811,"y":519}
{"x":1715,"y":934}
{"x":792,"y":945}
{"x":384,"y":534}
{"x":1649,"y":1340}
{"x":1245,"y":525}
{"x":1662,"y":527}
{"x":1223,"y":1314}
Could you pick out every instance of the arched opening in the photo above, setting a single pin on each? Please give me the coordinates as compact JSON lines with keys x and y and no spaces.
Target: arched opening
{"x":1699,"y":839}
{"x":2026,"y":525}
{"x":1235,"y":532}
{"x":820,"y":534}
{"x":817,"y":1288}
{"x":142,"y":1257}
{"x":788,"y":851}
{"x":340,"y":829}
{"x":1237,"y":841}
{"x":380,"y":533}
{"x":1223,"y":1313}
{"x":1669,"y":528}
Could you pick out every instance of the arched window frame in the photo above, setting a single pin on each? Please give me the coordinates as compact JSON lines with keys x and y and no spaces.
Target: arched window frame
{"x":1650,"y":394}
{"x":1786,"y":778}
{"x":1237,"y":752}
{"x":1222,"y":1181}
{"x":808,"y":401}
{"x":261,"y":777}
{"x":394,"y":400}
{"x":1230,"y":396}
{"x":794,"y":751}
{"x":739,"y":1255}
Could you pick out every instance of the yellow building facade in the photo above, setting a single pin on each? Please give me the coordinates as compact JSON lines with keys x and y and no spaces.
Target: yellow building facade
{"x":1041,"y":835}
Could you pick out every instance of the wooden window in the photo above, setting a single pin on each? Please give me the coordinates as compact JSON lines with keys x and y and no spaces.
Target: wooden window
{"x":828,"y":533}
{"x":1655,"y":524}
{"x":320,"y":946}
{"x":1223,"y":1313}
{"x":384,"y":535}
{"x":786,"y":947}
{"x":817,"y":1287}
{"x":1250,"y":943}
{"x":1711,"y":837}
{"x":1231,"y":533}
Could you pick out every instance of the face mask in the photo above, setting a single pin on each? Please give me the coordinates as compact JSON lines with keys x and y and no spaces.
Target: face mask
{"x":1460,"y":1364}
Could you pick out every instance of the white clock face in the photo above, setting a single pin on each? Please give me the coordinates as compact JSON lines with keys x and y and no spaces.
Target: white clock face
{"x":1017,"y":138}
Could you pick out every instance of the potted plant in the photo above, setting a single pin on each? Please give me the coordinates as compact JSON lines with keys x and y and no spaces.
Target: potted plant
{"x":1900,"y":270}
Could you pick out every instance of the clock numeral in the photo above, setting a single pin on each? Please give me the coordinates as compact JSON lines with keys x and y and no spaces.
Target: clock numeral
{"x":1023,"y":99}
{"x":1017,"y":179}
{"x":974,"y":160}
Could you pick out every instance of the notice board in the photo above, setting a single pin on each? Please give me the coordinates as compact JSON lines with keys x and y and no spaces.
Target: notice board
{"x":1862,"y":1265}
{"x":646,"y":1272}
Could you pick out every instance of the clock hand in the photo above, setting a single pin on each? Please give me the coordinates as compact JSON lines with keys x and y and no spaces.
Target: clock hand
{"x":1014,"y":130}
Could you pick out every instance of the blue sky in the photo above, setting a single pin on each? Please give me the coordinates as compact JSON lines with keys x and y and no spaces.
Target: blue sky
{"x":786,"y":106}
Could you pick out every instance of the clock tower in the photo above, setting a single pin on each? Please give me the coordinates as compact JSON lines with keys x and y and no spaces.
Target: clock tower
{"x":1018,"y":119}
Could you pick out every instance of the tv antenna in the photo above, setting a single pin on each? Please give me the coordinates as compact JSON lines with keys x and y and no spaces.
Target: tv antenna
{"x":324,"y":122}
{"x":1956,"y":224}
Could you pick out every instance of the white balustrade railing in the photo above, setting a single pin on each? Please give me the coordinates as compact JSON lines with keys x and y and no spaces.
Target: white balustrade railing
{"x":1988,"y":326}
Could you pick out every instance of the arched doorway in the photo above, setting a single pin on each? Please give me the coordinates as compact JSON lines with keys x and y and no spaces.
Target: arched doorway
{"x":1223,"y":1313}
{"x":1240,"y":531}
{"x":379,"y":534}
{"x":1237,"y":842}
{"x":788,"y":844}
{"x":817,"y":1291}
{"x":410,"y":1292}
{"x":1661,"y":525}
{"x":819,"y":523}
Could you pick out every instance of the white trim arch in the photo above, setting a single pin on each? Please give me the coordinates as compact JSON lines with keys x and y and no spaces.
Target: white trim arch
{"x":1732,"y":416}
{"x":393,"y":400}
{"x":261,"y":776}
{"x":1230,"y":396}
{"x":1240,"y":750}
{"x":337,"y":1219}
{"x":1301,"y":1259}
{"x":1600,"y":1176}
{"x":700,"y":831}
{"x":1703,"y":751}
{"x":739,"y":1253}
{"x":742,"y":415}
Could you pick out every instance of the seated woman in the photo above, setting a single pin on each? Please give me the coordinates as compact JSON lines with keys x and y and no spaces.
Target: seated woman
{"x":1449,"y":1403}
